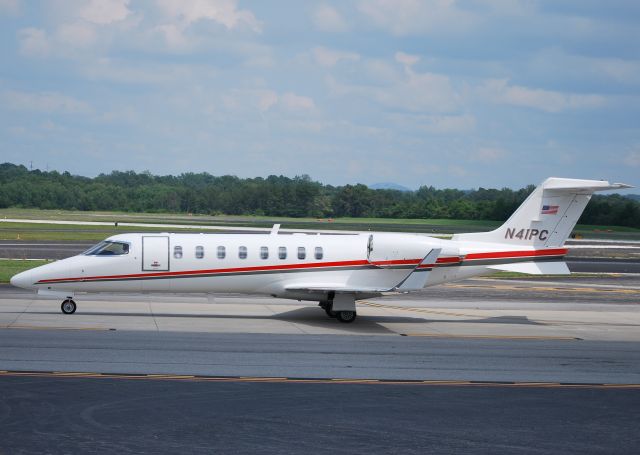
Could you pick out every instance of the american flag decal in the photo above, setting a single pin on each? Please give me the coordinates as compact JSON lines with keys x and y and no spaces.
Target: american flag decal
{"x":549,"y":209}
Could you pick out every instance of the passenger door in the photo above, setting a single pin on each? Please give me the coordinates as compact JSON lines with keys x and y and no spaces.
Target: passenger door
{"x":155,"y":253}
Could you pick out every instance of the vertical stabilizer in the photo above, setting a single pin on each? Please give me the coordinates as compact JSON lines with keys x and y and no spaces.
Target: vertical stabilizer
{"x":547,"y":217}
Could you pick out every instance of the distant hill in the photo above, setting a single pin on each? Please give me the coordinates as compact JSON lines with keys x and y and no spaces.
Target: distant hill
{"x":388,"y":186}
{"x":635,"y":197}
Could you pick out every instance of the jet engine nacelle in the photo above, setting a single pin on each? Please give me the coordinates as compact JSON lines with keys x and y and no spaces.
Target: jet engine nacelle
{"x":385,"y":250}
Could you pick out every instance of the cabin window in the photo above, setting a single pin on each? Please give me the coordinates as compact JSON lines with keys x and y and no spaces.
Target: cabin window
{"x":199,"y":252}
{"x":242,"y":252}
{"x":222,"y":252}
{"x":302,"y":253}
{"x":282,"y":252}
{"x":264,"y":252}
{"x":318,"y":252}
{"x":108,"y":248}
{"x":177,"y":252}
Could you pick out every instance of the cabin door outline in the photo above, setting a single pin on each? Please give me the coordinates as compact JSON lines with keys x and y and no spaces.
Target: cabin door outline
{"x":155,"y":253}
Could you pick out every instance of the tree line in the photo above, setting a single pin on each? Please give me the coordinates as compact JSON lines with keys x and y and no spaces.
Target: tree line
{"x":203,"y":193}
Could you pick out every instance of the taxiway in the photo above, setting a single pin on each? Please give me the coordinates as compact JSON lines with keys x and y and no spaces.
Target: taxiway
{"x":483,"y":365}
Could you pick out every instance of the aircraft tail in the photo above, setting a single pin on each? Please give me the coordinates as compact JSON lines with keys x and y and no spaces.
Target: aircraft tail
{"x":547,"y":217}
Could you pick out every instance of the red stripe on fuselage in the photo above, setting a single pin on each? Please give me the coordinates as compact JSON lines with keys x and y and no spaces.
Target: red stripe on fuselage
{"x":517,"y":254}
{"x":316,"y":265}
{"x":264,"y":268}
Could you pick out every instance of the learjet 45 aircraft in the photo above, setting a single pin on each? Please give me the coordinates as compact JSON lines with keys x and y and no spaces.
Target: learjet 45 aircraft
{"x":335,"y":270}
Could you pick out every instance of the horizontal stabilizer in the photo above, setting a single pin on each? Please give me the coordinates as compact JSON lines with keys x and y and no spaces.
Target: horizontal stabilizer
{"x":534,"y":268}
{"x":582,"y":186}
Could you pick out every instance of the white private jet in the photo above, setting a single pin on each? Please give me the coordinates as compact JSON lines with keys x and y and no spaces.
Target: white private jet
{"x":333,"y":269}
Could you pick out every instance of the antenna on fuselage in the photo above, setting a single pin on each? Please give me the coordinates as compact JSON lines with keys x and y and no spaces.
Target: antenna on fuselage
{"x":274,"y":229}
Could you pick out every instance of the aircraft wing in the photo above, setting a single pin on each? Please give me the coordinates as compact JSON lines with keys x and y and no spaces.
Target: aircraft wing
{"x":338,"y":288}
{"x":413,"y":281}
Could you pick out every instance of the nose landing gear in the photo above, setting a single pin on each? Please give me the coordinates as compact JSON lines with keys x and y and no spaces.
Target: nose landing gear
{"x":68,"y":306}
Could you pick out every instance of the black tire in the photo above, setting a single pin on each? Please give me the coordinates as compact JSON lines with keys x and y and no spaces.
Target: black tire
{"x":346,"y":316}
{"x":68,"y":306}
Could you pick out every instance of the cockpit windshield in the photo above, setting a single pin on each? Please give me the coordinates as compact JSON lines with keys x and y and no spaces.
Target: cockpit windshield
{"x":108,"y":248}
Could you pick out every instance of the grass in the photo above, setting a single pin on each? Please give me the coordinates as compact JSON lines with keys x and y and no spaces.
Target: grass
{"x":27,"y":231}
{"x":11,"y":231}
{"x":10,"y":267}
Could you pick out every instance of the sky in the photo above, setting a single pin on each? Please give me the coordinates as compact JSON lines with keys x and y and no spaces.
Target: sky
{"x":464,"y":94}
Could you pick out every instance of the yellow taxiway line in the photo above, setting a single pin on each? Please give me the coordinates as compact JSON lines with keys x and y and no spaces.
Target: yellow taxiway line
{"x":493,"y":337}
{"x":423,"y":382}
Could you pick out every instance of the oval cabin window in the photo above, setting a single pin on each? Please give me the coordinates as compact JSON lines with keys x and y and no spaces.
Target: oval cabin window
{"x":177,"y":252}
{"x":302,"y":253}
{"x":199,"y":252}
{"x":221,"y":252}
{"x":242,"y":252}
{"x":318,"y":252}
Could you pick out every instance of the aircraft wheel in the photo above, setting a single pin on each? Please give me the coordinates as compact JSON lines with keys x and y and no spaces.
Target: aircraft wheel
{"x":346,"y":316}
{"x":68,"y":306}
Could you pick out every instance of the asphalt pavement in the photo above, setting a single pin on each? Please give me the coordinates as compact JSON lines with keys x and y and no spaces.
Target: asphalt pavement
{"x":126,"y":416}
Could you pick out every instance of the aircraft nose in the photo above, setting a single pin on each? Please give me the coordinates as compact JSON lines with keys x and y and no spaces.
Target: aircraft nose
{"x":22,"y":280}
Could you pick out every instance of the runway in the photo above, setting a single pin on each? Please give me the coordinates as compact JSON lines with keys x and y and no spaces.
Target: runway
{"x":482,"y":329}
{"x":479,"y":366}
{"x":70,"y":415}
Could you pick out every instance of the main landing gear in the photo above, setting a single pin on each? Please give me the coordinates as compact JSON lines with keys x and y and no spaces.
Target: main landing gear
{"x":342,"y":316}
{"x":68,"y":306}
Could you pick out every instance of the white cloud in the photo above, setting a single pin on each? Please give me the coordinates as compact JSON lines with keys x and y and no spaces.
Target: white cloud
{"x":487,"y":154}
{"x":410,"y":123}
{"x":420,"y":92}
{"x":328,"y":19}
{"x":104,"y":12}
{"x":329,"y":57}
{"x":224,"y":12}
{"x":34,"y":42}
{"x":297,"y":102}
{"x":173,"y":36}
{"x":45,"y":102}
{"x":406,"y":59}
{"x":11,"y":7}
{"x":78,"y":34}
{"x":582,"y":68}
{"x":499,"y":91}
{"x":178,"y":32}
{"x":263,"y":100}
{"x":407,"y":17}
{"x":238,"y":100}
{"x":449,"y":124}
{"x":457,"y":171}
